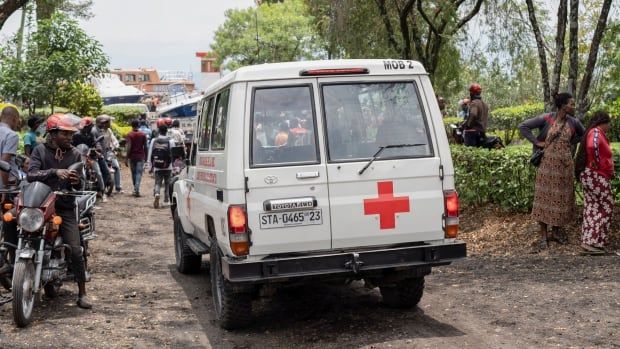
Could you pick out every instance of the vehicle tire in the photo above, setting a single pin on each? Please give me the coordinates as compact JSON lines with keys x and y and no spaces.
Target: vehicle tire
{"x":232,"y":310}
{"x":403,"y":294}
{"x":186,"y":260}
{"x":23,"y":292}
{"x":51,"y":289}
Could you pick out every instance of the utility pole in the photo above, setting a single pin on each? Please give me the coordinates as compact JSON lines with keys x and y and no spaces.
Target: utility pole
{"x":20,"y":32}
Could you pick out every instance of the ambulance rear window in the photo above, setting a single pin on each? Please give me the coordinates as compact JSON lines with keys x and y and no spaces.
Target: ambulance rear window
{"x":362,"y":117}
{"x":283,"y":127}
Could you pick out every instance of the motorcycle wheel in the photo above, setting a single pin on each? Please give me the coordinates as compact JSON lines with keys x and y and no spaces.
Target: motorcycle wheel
{"x":51,"y":289}
{"x":23,"y":292}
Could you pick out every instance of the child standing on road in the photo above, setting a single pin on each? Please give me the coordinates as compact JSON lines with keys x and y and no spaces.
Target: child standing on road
{"x":160,"y":159}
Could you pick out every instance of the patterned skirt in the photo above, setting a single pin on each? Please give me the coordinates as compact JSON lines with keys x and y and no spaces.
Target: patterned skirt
{"x":554,"y":195}
{"x":597,"y":208}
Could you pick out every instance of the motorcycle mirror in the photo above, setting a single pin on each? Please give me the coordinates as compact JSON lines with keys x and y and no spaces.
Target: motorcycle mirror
{"x":5,"y":166}
{"x":77,"y":167}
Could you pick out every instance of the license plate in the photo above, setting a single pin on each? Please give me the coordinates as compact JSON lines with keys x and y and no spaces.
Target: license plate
{"x":290,"y":219}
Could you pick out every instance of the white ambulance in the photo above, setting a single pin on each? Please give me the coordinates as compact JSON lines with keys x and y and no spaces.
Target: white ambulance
{"x":309,"y":171}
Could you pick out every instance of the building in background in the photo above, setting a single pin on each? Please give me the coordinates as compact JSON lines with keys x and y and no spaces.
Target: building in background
{"x":154,"y":83}
{"x":208,"y":72}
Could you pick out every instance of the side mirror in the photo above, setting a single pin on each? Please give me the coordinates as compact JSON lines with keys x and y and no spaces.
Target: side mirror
{"x":5,"y":166}
{"x":77,"y":167}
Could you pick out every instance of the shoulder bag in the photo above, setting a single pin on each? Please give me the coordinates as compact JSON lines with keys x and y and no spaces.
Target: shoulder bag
{"x":538,"y":154}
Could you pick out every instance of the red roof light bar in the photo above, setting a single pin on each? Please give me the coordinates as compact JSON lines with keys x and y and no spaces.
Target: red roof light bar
{"x":339,"y":71}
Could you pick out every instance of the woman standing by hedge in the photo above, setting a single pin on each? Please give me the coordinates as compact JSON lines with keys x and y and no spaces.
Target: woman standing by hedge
{"x":554,"y":197}
{"x":595,"y":158}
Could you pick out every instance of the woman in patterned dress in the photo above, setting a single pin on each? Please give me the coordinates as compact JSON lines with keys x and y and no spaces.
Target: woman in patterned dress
{"x":596,"y":158}
{"x":554,"y":197}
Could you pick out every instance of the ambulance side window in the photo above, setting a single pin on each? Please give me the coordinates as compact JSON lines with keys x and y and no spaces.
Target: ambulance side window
{"x":205,"y":124}
{"x":283,"y":126}
{"x":218,"y":132}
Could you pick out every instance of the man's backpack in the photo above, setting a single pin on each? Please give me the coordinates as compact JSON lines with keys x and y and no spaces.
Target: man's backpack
{"x":162,"y":155}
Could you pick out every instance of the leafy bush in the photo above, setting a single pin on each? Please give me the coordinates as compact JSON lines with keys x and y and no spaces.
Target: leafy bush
{"x":446,"y":125}
{"x":120,"y":131}
{"x":123,"y":114}
{"x":507,"y":119}
{"x":502,"y":177}
{"x":81,"y":98}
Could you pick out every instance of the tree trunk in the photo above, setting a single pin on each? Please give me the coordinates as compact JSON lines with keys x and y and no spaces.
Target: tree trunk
{"x":573,"y":49}
{"x":542,"y":56}
{"x":583,"y":104}
{"x":45,"y":8}
{"x":559,"y":47}
{"x":8,"y":7}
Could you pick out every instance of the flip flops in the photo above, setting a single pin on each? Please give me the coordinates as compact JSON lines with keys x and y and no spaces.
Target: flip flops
{"x":591,"y":250}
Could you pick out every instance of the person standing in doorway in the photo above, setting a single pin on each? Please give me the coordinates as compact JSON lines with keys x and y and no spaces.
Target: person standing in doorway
{"x":136,"y":155}
{"x":160,"y":159}
{"x":476,"y":123}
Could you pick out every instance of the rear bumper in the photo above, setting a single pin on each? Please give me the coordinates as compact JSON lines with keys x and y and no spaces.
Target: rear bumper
{"x":344,"y":263}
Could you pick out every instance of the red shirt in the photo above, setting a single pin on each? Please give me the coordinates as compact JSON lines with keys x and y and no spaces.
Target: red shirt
{"x":598,"y":153}
{"x":137,"y":140}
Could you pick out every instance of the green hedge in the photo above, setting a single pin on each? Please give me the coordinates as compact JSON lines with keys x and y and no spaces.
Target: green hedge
{"x":503,"y":177}
{"x":507,"y":119}
{"x":123,"y":114}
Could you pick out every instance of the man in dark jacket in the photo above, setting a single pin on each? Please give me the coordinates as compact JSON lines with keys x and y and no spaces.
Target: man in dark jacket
{"x":49,"y":164}
{"x":476,"y":123}
{"x":85,"y":136}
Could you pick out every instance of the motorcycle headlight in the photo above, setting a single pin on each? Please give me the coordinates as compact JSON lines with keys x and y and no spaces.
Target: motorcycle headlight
{"x":30,"y":219}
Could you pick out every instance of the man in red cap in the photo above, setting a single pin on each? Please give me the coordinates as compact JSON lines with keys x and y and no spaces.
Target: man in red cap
{"x":476,"y":124}
{"x":49,"y":164}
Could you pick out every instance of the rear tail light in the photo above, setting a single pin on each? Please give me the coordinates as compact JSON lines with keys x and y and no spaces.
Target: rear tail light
{"x":238,"y":230}
{"x":451,"y":214}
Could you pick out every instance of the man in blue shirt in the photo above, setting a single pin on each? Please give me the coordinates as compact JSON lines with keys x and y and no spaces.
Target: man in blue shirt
{"x":30,"y":138}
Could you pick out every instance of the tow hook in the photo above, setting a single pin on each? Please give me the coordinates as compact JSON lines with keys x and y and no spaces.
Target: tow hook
{"x":354,"y":264}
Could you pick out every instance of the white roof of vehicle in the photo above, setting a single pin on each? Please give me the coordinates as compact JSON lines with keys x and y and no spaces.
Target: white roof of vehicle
{"x":291,"y":70}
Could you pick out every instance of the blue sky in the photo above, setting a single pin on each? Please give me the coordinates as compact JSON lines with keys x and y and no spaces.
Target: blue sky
{"x":161,"y":34}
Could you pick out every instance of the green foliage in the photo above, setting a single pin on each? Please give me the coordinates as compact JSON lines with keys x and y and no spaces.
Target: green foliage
{"x":58,"y":54}
{"x":122,"y":114}
{"x":507,"y":119}
{"x":120,"y":131}
{"x":503,"y":177}
{"x":80,"y":98}
{"x":284,"y":33}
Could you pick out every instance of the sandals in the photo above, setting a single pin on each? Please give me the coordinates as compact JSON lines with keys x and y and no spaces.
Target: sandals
{"x":543,"y":244}
{"x":591,"y":250}
{"x":559,"y":237}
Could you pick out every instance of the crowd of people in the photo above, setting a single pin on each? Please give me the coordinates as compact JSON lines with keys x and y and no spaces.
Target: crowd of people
{"x":54,"y":143}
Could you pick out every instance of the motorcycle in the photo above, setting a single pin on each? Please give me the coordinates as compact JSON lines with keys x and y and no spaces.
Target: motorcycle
{"x":89,"y":157}
{"x":489,"y":142}
{"x":41,"y":257}
{"x":8,"y":195}
{"x":110,"y":158}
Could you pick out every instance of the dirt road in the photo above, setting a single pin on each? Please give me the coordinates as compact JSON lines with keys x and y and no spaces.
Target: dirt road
{"x":557,"y":299}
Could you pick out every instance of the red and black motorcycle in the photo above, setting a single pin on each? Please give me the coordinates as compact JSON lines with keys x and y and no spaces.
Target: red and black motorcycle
{"x":41,"y":258}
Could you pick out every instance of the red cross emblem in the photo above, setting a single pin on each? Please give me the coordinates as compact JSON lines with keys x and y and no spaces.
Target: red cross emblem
{"x":386,"y":205}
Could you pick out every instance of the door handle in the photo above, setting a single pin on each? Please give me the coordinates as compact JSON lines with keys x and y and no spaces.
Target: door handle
{"x":306,"y":175}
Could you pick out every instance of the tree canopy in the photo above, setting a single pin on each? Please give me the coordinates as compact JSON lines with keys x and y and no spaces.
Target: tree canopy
{"x":275,"y":32}
{"x":58,"y":54}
